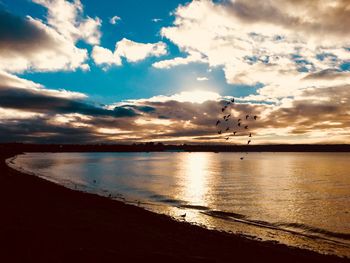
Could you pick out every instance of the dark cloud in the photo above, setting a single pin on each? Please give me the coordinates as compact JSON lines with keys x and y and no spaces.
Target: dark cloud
{"x":327,"y":74}
{"x":38,"y":130}
{"x":316,"y":109}
{"x":316,"y":16}
{"x":34,"y":101}
{"x":144,"y":108}
{"x":124,"y":112}
{"x":20,"y":35}
{"x":28,"y":43}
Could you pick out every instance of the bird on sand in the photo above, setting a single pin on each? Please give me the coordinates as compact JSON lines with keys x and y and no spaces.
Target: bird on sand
{"x":250,"y":135}
{"x":183,"y":216}
{"x":228,"y":128}
{"x":239,"y":120}
{"x":217,"y":123}
{"x":224,"y":108}
{"x":228,"y":116}
{"x":246,"y":127}
{"x":233,"y":100}
{"x":94,"y":181}
{"x":249,"y":141}
{"x":234,"y":133}
{"x":255,"y":117}
{"x":219,"y":132}
{"x":241,"y":158}
{"x":246,"y":116}
{"x":239,"y":124}
{"x":227,"y":138}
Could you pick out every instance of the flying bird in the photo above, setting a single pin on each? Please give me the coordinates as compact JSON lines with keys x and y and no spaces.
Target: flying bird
{"x":217,"y":123}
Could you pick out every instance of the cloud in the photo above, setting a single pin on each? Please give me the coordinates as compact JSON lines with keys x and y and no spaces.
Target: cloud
{"x":316,"y":17}
{"x":196,"y":96}
{"x":134,"y":51}
{"x":193,"y":57}
{"x":156,"y":20}
{"x":316,"y":111}
{"x":24,"y":95}
{"x":114,"y":20}
{"x":10,"y":81}
{"x":28,"y":44}
{"x":103,"y":56}
{"x":178,"y":118}
{"x":202,"y":78}
{"x":328,"y":74}
{"x":130,"y":50}
{"x":67,"y":19}
{"x":44,"y":102}
{"x":280,"y":47}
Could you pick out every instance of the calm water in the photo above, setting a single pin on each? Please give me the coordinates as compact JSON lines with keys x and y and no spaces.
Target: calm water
{"x":300,"y":199}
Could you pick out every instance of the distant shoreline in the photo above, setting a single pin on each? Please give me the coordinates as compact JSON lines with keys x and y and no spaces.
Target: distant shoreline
{"x":159,"y":147}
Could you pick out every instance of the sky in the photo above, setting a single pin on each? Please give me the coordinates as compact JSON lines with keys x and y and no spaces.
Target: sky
{"x":85,"y":71}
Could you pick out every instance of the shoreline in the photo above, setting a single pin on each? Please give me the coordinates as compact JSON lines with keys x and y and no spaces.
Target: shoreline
{"x":45,"y":222}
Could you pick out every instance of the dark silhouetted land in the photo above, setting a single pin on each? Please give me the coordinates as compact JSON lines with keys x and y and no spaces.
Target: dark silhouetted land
{"x":158,"y":147}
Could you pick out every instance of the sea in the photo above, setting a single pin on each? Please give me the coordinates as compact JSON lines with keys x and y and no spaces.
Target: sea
{"x":298,"y":199}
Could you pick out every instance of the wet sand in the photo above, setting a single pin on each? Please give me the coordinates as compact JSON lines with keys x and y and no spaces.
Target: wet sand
{"x":44,"y":222}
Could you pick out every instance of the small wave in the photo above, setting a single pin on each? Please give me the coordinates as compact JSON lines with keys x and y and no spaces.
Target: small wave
{"x":298,"y":229}
{"x":316,"y":230}
{"x":196,"y":207}
{"x":176,"y":202}
{"x":224,"y":215}
{"x":167,"y":200}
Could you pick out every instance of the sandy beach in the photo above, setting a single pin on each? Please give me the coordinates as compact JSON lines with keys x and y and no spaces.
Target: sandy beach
{"x":44,"y":222}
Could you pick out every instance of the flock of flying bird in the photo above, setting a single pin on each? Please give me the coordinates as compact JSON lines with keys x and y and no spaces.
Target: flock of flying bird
{"x":226,"y":121}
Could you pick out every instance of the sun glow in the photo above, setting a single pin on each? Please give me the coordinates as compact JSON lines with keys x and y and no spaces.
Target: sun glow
{"x":195,"y":96}
{"x":111,"y":131}
{"x":153,"y":121}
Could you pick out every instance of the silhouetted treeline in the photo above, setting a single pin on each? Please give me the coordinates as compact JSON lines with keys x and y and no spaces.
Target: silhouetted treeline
{"x":159,"y":147}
